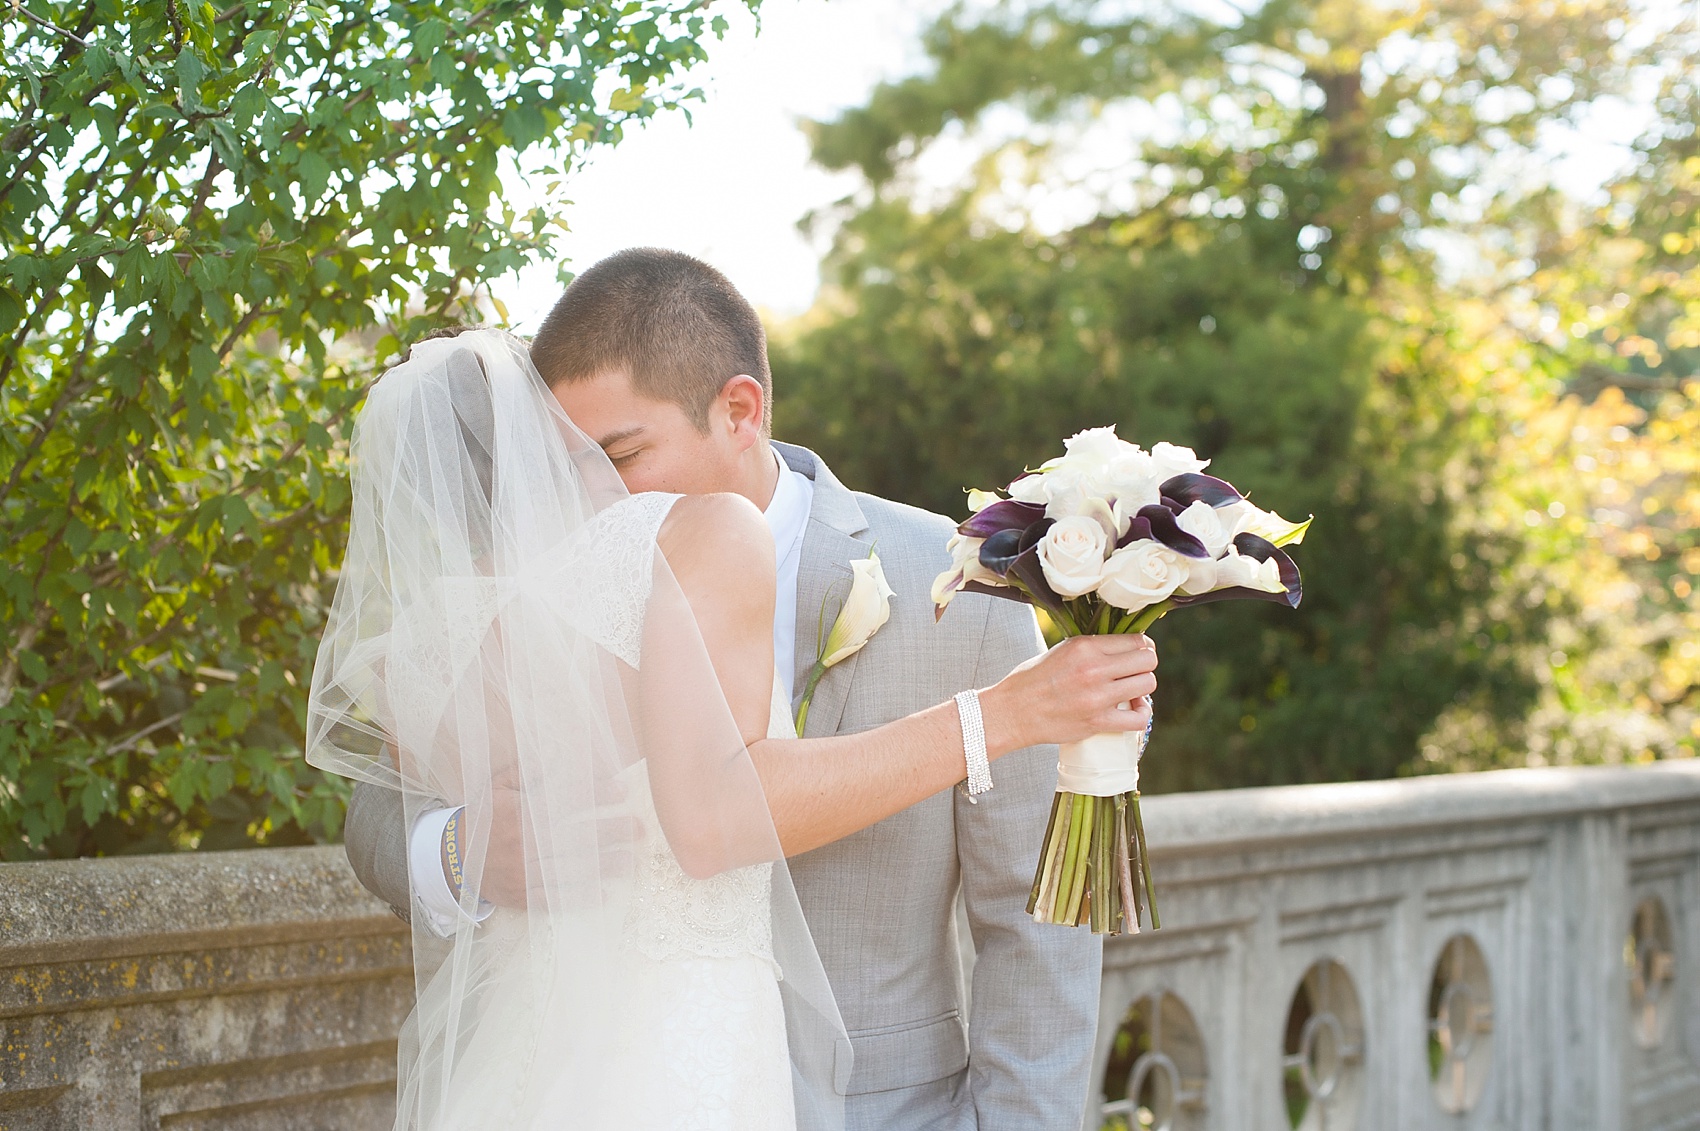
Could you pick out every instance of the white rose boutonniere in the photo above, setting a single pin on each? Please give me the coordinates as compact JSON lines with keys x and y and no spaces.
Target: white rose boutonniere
{"x":863,"y":613}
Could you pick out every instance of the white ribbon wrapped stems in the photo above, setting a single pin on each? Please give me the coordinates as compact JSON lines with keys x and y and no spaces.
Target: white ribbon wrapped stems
{"x":1101,"y":766}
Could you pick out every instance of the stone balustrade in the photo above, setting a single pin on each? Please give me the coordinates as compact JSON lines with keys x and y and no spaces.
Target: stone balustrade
{"x":1507,"y":950}
{"x":243,"y":991}
{"x":1503,"y":950}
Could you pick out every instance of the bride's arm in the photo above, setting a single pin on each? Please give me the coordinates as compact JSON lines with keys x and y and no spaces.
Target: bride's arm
{"x":820,"y":790}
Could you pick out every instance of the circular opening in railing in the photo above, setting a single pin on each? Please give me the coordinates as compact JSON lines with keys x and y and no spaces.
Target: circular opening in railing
{"x":1460,"y":1025}
{"x":1651,"y":959}
{"x":1154,"y":1080}
{"x":1323,"y":1052}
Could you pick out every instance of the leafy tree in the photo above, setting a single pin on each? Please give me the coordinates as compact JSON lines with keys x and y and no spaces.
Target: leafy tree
{"x":215,"y":225}
{"x":1259,"y":279}
{"x":1598,"y":467}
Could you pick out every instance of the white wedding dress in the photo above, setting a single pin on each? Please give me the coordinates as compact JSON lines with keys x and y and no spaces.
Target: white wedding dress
{"x":501,"y":639}
{"x":700,"y":1039}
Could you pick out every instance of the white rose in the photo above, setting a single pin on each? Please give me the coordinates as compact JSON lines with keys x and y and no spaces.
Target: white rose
{"x":1029,"y":488}
{"x":1201,"y":576}
{"x":1095,"y":447}
{"x":1169,"y":460}
{"x":1142,"y":574}
{"x":1072,"y":555}
{"x":866,"y":609}
{"x":1131,"y":481}
{"x":1203,"y":522}
{"x":1070,"y":494}
{"x":964,"y":567}
{"x":1248,"y":573}
{"x":1065,"y":490}
{"x":1244,"y":518}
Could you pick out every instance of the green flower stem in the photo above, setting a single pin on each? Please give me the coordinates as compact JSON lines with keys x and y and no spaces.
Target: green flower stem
{"x":1056,"y":894}
{"x":1129,"y":904}
{"x":1143,"y":619}
{"x":809,"y":694}
{"x":1145,"y":862}
{"x":1083,"y":812}
{"x":1071,"y":854}
{"x":1052,"y":836}
{"x":1135,"y":877}
{"x":1103,"y":881}
{"x":1054,"y":874}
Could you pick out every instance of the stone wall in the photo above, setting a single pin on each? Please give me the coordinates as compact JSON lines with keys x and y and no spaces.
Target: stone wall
{"x":230,"y":990}
{"x":1503,"y":950}
{"x":1516,"y":950}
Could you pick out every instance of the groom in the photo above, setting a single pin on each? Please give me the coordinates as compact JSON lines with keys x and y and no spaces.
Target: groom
{"x":637,"y":352}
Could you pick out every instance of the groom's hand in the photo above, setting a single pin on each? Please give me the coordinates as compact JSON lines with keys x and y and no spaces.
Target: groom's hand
{"x":515,"y":876}
{"x":504,"y":876}
{"x":1084,"y":686}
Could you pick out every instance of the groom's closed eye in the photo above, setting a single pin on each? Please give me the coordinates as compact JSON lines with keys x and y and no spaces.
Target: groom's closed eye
{"x":620,"y":446}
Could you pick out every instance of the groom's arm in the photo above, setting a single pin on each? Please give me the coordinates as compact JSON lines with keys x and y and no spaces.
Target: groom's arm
{"x":374,"y":835}
{"x":1034,"y":1005}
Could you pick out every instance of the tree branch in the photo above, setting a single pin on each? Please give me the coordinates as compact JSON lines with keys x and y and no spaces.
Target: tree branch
{"x":73,"y":388}
{"x":20,"y":10}
{"x":130,"y":742}
{"x":27,"y":636}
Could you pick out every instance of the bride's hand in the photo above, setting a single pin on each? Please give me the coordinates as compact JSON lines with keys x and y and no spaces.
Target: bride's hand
{"x":1084,"y":686}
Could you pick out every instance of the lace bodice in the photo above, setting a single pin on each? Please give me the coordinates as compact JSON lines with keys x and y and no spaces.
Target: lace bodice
{"x":723,"y":916}
{"x":611,"y":561}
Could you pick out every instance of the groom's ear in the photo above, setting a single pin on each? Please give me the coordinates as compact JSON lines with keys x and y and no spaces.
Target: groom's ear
{"x":741,"y":409}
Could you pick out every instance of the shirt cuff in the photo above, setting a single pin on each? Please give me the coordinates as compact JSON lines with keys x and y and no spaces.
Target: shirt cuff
{"x":431,"y":891}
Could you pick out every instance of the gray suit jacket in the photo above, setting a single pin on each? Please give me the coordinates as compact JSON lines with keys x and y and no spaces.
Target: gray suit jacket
{"x":882,"y":902}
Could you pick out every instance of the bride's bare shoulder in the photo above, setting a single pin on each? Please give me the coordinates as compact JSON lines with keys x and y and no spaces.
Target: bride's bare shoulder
{"x":719,"y":536}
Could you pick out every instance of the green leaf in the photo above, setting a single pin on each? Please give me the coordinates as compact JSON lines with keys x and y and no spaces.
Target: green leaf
{"x":190,"y":72}
{"x":77,"y":537}
{"x":33,"y":666}
{"x":227,"y":144}
{"x":196,"y":444}
{"x":238,"y":518}
{"x":97,"y":61}
{"x":314,"y":173}
{"x":429,"y":36}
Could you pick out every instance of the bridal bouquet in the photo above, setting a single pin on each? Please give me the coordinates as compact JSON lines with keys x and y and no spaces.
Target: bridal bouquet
{"x":1107,"y":538}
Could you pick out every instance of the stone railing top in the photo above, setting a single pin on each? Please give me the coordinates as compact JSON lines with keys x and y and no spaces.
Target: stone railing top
{"x":1232,"y":818}
{"x":75,"y":909}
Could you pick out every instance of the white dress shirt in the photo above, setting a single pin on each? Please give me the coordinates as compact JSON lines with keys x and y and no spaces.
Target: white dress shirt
{"x":787,"y":517}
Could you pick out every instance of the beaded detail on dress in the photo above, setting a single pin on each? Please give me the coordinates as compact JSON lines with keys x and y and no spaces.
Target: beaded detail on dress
{"x":675,"y":916}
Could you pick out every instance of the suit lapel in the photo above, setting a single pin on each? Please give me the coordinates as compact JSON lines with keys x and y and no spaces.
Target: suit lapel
{"x":830,"y":543}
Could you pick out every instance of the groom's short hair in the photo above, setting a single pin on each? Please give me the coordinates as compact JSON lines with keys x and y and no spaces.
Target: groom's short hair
{"x":675,"y":325}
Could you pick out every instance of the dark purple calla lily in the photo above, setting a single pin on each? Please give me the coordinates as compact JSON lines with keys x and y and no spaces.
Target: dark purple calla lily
{"x":1193,"y":486}
{"x":999,"y":550}
{"x":1014,"y":554}
{"x":1006,"y":514}
{"x":1137,"y":529}
{"x":1166,"y":530}
{"x":1258,"y":549}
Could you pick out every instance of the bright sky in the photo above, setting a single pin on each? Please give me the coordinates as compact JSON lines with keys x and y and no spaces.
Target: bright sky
{"x":730,"y":186}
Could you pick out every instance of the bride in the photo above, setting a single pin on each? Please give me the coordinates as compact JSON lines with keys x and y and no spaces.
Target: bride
{"x":590,"y":674}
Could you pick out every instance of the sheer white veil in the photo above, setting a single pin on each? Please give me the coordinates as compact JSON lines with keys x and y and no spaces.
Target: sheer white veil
{"x":494,"y":643}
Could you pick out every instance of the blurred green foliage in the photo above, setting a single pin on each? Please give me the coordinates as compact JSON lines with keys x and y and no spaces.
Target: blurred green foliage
{"x":215,"y":224}
{"x":1315,"y":244}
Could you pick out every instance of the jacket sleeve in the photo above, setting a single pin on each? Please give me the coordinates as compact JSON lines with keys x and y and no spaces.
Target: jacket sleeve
{"x":1034,"y":1002}
{"x":374,"y":835}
